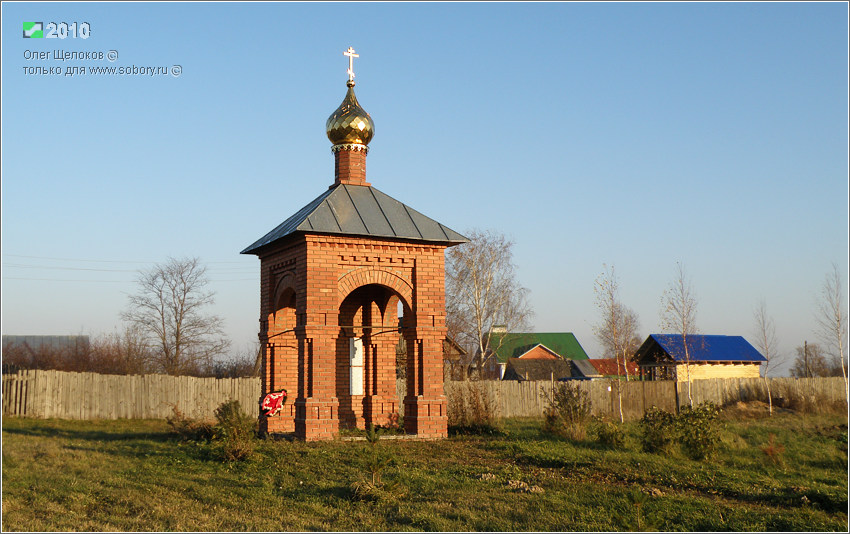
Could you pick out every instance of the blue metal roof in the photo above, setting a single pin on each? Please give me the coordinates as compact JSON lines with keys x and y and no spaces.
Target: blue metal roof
{"x":363,"y":211}
{"x":708,"y":348}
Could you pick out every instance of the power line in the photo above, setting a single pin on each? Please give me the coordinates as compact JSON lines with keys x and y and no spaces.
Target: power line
{"x":116,"y":281}
{"x":63,"y":280}
{"x":109,"y":261}
{"x":24,"y":266}
{"x":229,"y":270}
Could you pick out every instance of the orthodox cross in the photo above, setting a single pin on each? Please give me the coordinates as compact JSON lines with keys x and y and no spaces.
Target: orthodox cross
{"x":351,"y":55}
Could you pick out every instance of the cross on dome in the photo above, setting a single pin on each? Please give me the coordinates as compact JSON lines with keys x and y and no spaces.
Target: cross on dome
{"x":351,"y":55}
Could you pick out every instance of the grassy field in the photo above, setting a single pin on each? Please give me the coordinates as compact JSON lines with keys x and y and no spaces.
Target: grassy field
{"x":133,"y":475}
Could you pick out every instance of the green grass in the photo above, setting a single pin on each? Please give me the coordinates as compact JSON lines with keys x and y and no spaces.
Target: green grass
{"x":133,"y":475}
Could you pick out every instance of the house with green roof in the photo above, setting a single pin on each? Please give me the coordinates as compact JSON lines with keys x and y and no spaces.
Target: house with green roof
{"x":541,"y":346}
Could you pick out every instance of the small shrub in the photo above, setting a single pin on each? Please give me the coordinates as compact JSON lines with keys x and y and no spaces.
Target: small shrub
{"x":188,"y":428}
{"x":472,"y":410}
{"x":363,"y":490}
{"x":641,"y":523}
{"x":568,"y":412}
{"x":235,"y":432}
{"x":699,"y":430}
{"x":388,"y":493}
{"x":376,"y":463}
{"x":658,"y":429}
{"x":774,"y":451}
{"x":373,"y":434}
{"x":610,"y":435}
{"x":377,"y":460}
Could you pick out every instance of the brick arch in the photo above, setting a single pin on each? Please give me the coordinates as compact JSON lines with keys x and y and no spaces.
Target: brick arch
{"x":369,"y":275}
{"x":286,"y":281}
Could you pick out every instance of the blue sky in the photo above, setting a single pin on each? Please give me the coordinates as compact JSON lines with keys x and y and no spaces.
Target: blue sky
{"x":632,"y":134}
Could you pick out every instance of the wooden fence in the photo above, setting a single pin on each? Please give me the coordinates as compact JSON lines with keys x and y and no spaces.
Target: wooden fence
{"x":94,"y":396}
{"x":723,"y":391}
{"x":63,"y":395}
{"x":529,"y":399}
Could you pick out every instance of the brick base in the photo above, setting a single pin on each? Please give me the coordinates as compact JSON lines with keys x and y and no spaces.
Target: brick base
{"x":380,"y":411}
{"x":316,"y":419}
{"x":426,"y":417}
{"x":351,"y":412}
{"x":283,"y":422}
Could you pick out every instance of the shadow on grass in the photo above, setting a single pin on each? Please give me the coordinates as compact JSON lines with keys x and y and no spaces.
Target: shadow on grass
{"x":324,"y":494}
{"x":793,"y":497}
{"x":90,"y":435}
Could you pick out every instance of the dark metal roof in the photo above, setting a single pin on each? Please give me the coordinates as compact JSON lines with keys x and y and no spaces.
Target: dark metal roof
{"x":519,"y":369}
{"x":704,"y":348}
{"x":46,"y":342}
{"x":363,"y":211}
{"x":585,"y":368}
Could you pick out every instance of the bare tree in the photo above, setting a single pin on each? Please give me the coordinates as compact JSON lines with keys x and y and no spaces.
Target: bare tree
{"x":617,"y":327}
{"x":483,"y":294}
{"x":239,"y":365}
{"x":831,"y":317}
{"x":679,"y":313}
{"x":124,"y":353}
{"x":765,"y":331}
{"x":811,"y":362}
{"x":169,"y":312}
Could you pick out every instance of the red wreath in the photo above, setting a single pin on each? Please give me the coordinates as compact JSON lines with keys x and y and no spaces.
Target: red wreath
{"x":273,"y":402}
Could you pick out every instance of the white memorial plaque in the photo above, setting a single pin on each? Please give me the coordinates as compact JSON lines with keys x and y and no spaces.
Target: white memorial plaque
{"x":355,"y":351}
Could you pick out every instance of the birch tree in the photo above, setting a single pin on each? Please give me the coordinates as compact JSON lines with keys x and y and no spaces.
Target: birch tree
{"x":483,"y":294}
{"x":617,"y":326}
{"x":678,"y":315}
{"x":831,"y":317}
{"x":765,"y":332}
{"x":169,"y":310}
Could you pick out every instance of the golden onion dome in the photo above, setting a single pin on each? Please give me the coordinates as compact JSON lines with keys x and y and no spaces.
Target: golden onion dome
{"x":350,"y":124}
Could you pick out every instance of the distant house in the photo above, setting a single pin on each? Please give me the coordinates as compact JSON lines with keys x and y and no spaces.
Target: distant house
{"x":39,"y":352}
{"x":611,"y":368}
{"x":537,"y":369}
{"x":662,"y":357}
{"x":602,"y":368}
{"x":37,"y":343}
{"x":583,"y":370}
{"x":527,"y":346}
{"x":453,"y":358}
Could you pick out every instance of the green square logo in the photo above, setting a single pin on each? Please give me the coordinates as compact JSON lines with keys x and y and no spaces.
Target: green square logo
{"x":33,"y":30}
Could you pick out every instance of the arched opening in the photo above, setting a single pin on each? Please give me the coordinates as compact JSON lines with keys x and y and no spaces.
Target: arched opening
{"x":280,"y":362}
{"x":366,"y":350}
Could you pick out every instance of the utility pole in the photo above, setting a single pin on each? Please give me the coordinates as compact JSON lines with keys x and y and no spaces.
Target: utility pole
{"x":806,"y":356}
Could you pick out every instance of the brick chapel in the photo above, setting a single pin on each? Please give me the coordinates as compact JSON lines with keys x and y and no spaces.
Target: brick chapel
{"x":333,"y":278}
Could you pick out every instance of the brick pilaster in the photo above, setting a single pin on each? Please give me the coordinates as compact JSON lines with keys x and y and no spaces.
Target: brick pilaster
{"x":425,"y":404}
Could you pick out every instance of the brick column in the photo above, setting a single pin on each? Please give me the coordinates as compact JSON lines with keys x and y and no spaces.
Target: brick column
{"x":425,"y":403}
{"x":317,"y":407}
{"x":282,"y":357}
